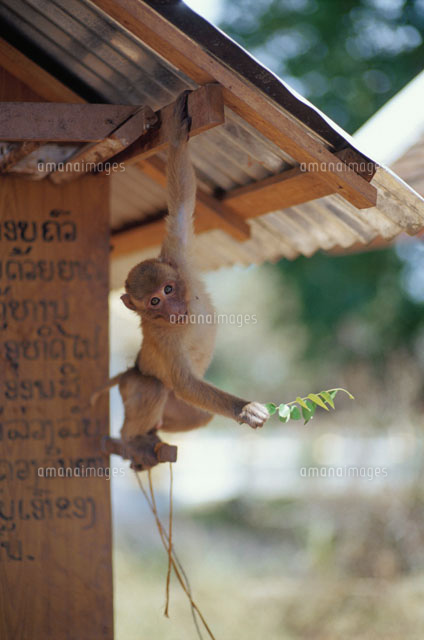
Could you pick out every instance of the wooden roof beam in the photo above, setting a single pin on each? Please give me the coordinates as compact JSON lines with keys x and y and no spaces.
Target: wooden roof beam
{"x":36,"y":78}
{"x":59,"y":122}
{"x":15,"y":153}
{"x":91,"y":156}
{"x":278,"y":192}
{"x":210,"y":214}
{"x":281,"y":191}
{"x":125,"y":133}
{"x":138,"y":237}
{"x":240,"y":95}
{"x":145,"y":133}
{"x":205,"y":107}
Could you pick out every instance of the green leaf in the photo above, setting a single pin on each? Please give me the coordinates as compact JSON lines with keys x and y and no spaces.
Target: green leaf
{"x":301,"y":401}
{"x":271,"y":407}
{"x":311,"y":406}
{"x":295,"y":413}
{"x":326,"y":396}
{"x":284,"y":412}
{"x":308,"y":413}
{"x":317,"y":400}
{"x":333,"y":393}
{"x":344,"y":391}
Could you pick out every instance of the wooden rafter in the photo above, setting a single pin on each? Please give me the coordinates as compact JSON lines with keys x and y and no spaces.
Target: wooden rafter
{"x":210,"y":214}
{"x":208,"y":217}
{"x":59,"y":122}
{"x":205,"y":106}
{"x":91,"y":155}
{"x":281,"y":191}
{"x":144,"y":134}
{"x":137,"y":238}
{"x":40,"y":81}
{"x":135,"y":132}
{"x":252,"y":105}
{"x":16,"y":153}
{"x":278,"y":192}
{"x":206,"y":109}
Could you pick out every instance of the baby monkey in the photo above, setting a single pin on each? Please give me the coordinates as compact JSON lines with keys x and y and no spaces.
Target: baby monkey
{"x":165,"y":389}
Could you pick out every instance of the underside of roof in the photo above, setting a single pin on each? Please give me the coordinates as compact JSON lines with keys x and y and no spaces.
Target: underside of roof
{"x":128,"y":52}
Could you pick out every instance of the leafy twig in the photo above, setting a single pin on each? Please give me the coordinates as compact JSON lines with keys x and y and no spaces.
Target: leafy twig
{"x":305,"y":407}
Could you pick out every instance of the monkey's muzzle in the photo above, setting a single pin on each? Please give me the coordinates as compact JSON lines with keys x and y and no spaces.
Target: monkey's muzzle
{"x":182,"y":318}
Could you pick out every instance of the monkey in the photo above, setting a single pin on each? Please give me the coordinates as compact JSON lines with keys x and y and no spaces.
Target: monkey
{"x":165,"y":389}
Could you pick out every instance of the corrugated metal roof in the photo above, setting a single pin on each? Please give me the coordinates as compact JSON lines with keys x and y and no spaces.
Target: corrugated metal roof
{"x":93,"y":48}
{"x":107,"y":59}
{"x":124,"y":71}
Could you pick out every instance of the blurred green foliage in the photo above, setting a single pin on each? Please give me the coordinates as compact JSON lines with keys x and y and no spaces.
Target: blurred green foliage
{"x":355,"y":306}
{"x":347,"y":57}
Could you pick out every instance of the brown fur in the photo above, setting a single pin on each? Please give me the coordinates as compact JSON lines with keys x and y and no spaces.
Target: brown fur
{"x":166,"y":389}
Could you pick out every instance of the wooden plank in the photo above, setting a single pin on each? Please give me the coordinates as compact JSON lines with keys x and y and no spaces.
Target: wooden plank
{"x":206,"y":109}
{"x":59,"y":527}
{"x":211,"y":213}
{"x":357,"y":162}
{"x":13,"y":89}
{"x":276,"y":192}
{"x":216,"y":215}
{"x":306,"y":151}
{"x":142,"y":236}
{"x":33,"y":76}
{"x":55,"y":543}
{"x":150,"y":234}
{"x":15,"y":153}
{"x":93,"y":156}
{"x":21,"y":79}
{"x":58,"y":122}
{"x":242,"y":97}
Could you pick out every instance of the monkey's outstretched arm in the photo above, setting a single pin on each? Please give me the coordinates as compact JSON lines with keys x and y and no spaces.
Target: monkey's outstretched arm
{"x":181,"y":188}
{"x":208,"y":397}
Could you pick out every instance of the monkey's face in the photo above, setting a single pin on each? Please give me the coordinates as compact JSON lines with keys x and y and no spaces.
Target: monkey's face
{"x":157,"y":293}
{"x":167,"y":303}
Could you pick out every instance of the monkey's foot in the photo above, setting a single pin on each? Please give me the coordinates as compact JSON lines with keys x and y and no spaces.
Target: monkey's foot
{"x":145,"y":451}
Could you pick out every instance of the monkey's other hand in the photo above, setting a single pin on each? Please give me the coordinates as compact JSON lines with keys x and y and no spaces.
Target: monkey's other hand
{"x":254,"y":414}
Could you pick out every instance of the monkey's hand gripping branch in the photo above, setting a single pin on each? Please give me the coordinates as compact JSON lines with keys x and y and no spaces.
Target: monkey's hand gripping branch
{"x":145,"y":451}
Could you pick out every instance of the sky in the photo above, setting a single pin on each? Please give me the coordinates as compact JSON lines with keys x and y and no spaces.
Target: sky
{"x":209,"y":9}
{"x":396,"y":126}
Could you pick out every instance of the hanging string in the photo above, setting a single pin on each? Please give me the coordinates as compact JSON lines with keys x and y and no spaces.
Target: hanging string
{"x":175,"y":563}
{"x":165,"y":541}
{"x":168,"y":575}
{"x":194,"y":609}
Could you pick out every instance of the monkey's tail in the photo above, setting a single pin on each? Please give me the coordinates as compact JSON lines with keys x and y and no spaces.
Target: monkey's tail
{"x":112,"y":382}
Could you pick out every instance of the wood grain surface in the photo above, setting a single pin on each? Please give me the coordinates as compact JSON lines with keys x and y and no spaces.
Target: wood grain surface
{"x":55,"y":532}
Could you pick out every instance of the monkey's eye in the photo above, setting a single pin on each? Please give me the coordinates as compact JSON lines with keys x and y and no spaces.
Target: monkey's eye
{"x":154,"y":301}
{"x":168,"y":289}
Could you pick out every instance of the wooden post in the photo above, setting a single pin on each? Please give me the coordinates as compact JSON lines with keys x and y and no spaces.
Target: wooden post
{"x":55,"y":528}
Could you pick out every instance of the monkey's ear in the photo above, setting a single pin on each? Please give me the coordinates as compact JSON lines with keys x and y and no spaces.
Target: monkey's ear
{"x":126,"y":299}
